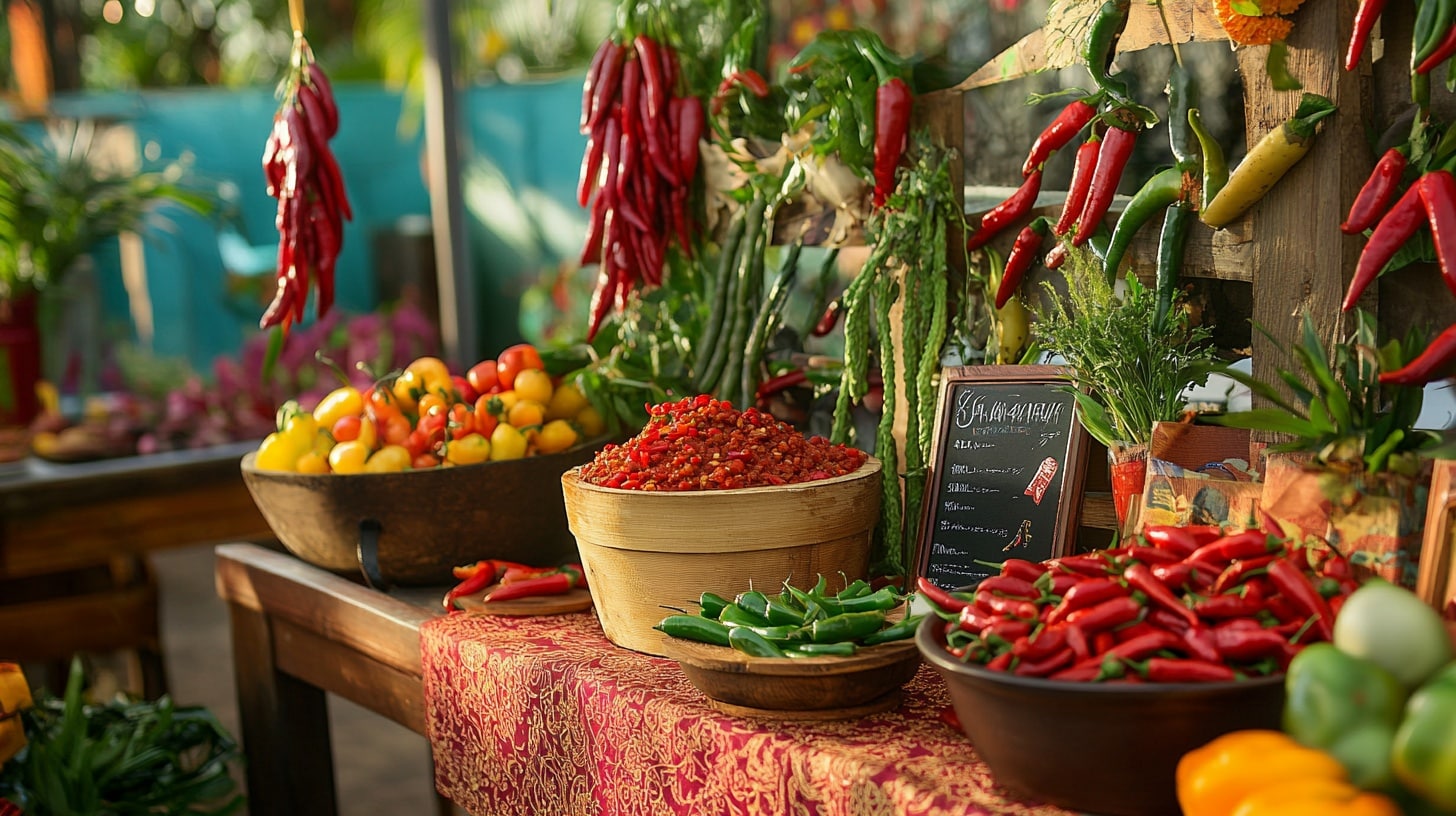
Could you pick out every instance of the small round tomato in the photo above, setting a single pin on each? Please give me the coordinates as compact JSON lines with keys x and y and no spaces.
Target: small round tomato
{"x":393,"y":429}
{"x":514,"y":360}
{"x":381,"y":402}
{"x":388,"y":459}
{"x":506,"y":443}
{"x":346,"y":428}
{"x":467,"y":450}
{"x":556,"y":435}
{"x":417,"y":443}
{"x":533,"y":384}
{"x":433,"y":426}
{"x":339,"y":403}
{"x":424,"y":461}
{"x":464,"y":391}
{"x":482,"y":377}
{"x":349,"y":457}
{"x":526,"y":414}
{"x":313,"y":462}
{"x":566,"y":401}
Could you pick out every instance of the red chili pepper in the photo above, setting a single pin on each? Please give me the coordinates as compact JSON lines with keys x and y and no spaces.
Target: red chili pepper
{"x":1023,"y":569}
{"x":1007,"y":212}
{"x":523,"y":573}
{"x":1077,"y":642}
{"x":1173,"y":576}
{"x":1398,"y":226}
{"x":1437,"y":361}
{"x":1023,"y":254}
{"x":1042,"y":643}
{"x":1009,"y":586}
{"x":1146,"y":644}
{"x":1365,"y":16}
{"x":1085,"y":594}
{"x":1174,"y":539}
{"x":1028,"y":667}
{"x":1055,"y":256}
{"x":1438,"y":194}
{"x":591,"y":249}
{"x":748,"y":79}
{"x":1141,"y":578}
{"x":605,"y":84}
{"x":1084,"y":671}
{"x":608,"y":282}
{"x":588,"y":85}
{"x":995,"y":604}
{"x":1136,"y":629}
{"x":652,"y":79}
{"x":320,"y":82}
{"x":1243,"y":643}
{"x":688,"y":127}
{"x":1247,"y":544}
{"x":1062,"y":129}
{"x":1222,"y":607}
{"x":940,"y":597}
{"x":474,"y":577}
{"x":1293,"y":584}
{"x":1378,"y":191}
{"x":1089,"y":564}
{"x":972,"y":619}
{"x":1063,"y":582}
{"x":1443,"y":52}
{"x":1117,"y":147}
{"x":1007,"y":629}
{"x":1240,"y":569}
{"x":893,"y":102}
{"x":557,"y":583}
{"x":1198,"y":641}
{"x":1106,"y":615}
{"x":1152,"y":556}
{"x":948,"y":716}
{"x":1083,"y":168}
{"x":1102,"y":641}
{"x":782,"y":382}
{"x":1166,"y":670}
{"x":1001,"y":662}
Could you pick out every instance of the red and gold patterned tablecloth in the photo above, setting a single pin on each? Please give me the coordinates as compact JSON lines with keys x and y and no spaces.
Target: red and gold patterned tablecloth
{"x":545,"y":716}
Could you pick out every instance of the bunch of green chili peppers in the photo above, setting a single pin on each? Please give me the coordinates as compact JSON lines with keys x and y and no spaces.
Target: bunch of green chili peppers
{"x":796,"y":622}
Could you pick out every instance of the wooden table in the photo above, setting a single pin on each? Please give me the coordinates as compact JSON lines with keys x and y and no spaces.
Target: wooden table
{"x":298,"y":632}
{"x":74,"y":540}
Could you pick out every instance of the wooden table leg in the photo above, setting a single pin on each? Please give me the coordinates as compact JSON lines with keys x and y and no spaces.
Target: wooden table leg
{"x":285,"y":725}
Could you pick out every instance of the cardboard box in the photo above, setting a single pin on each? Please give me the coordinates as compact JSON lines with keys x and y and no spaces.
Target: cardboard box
{"x":1199,"y":474}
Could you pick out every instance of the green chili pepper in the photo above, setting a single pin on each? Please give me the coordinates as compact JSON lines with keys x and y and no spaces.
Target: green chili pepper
{"x":775,"y":634}
{"x":855,"y":589}
{"x":693,"y":627}
{"x":751,"y":643}
{"x":844,"y":649}
{"x":1171,"y":242}
{"x":883,"y":599}
{"x":1161,"y":190}
{"x":820,"y":587}
{"x":753,"y":602}
{"x":813,"y":612}
{"x":847,"y":626}
{"x":779,"y":614}
{"x":1101,"y":46}
{"x":895,"y":631}
{"x":712,"y":605}
{"x":1183,"y":96}
{"x":735,"y":615}
{"x":1215,"y":166}
{"x":1276,"y":65}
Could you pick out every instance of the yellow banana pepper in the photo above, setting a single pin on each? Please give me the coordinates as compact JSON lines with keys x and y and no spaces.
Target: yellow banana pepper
{"x":1215,"y":779}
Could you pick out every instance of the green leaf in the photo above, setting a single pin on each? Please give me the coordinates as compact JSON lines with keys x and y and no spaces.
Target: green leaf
{"x":1266,"y":419}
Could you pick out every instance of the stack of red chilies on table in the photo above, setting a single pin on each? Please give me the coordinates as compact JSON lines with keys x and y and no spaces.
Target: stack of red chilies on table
{"x":641,"y":156}
{"x":1186,"y":604}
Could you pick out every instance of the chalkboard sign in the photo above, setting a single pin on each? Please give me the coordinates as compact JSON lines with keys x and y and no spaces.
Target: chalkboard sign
{"x":1006,"y":469}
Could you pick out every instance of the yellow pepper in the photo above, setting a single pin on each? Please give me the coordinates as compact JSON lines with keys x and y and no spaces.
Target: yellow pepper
{"x":1315,"y":796}
{"x":1215,"y":779}
{"x":14,"y":695}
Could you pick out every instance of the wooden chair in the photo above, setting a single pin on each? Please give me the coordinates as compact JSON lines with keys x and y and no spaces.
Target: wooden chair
{"x":1437,"y":581}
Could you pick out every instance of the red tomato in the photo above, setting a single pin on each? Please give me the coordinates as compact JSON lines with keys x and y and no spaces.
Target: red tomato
{"x":394,"y":429}
{"x":465,"y":390}
{"x":346,"y":429}
{"x":483,"y":376}
{"x":417,"y":443}
{"x":485,"y":421}
{"x":424,"y":461}
{"x":433,"y":426}
{"x":516,"y":359}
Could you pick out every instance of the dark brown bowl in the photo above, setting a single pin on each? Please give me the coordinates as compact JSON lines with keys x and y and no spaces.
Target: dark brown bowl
{"x":1090,"y":747}
{"x":423,"y":522}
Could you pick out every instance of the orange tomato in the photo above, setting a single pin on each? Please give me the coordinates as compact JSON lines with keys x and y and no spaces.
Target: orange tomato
{"x":482,"y":377}
{"x":394,"y":429}
{"x":485,"y":418}
{"x":556,"y":435}
{"x":462,"y":421}
{"x":526,"y":414}
{"x":533,"y":384}
{"x":566,"y":401}
{"x":514,"y":360}
{"x":591,"y":422}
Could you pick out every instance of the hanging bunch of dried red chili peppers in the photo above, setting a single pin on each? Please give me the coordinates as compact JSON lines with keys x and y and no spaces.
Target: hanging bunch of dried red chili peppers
{"x":636,"y":174}
{"x":305,"y":179}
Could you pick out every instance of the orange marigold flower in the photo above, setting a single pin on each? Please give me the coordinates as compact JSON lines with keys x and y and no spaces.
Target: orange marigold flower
{"x":1246,"y":30}
{"x":1279,"y":6}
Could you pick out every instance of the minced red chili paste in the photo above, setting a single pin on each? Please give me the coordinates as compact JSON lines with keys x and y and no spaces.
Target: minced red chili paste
{"x":700,"y":443}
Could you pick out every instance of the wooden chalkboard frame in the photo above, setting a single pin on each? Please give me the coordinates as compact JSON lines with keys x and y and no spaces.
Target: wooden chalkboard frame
{"x":1068,"y":499}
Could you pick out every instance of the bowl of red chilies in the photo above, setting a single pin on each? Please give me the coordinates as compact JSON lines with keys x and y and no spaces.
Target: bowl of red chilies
{"x":1081,"y":680}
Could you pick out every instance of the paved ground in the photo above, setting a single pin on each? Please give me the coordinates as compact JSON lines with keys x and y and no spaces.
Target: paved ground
{"x":380,"y":767}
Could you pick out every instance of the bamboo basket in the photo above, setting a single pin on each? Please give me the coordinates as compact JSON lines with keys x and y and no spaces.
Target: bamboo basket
{"x":644,"y":551}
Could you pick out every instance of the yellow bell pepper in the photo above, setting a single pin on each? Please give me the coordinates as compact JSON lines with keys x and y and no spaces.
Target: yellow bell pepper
{"x":1315,"y":796}
{"x":1215,"y":779}
{"x":14,"y":695}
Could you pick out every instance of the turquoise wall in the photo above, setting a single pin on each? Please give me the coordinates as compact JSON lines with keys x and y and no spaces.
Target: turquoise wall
{"x":519,"y":183}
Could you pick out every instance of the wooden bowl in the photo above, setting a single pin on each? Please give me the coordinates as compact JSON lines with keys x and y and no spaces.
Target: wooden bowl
{"x":426,"y":521}
{"x":798,"y":688}
{"x":644,"y":551}
{"x":1110,"y":749}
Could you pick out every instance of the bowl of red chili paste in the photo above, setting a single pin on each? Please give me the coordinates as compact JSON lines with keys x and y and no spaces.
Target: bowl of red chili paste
{"x":707,"y":497}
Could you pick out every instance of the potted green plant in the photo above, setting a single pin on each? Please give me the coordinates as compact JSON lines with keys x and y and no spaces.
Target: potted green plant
{"x":57,"y":202}
{"x":1350,"y":465}
{"x":1126,"y":371}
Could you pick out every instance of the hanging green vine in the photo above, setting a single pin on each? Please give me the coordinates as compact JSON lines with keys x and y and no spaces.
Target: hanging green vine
{"x":908,"y":267}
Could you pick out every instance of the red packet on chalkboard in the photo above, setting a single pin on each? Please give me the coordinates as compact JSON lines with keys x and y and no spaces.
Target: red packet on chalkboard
{"x":1042,"y":480}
